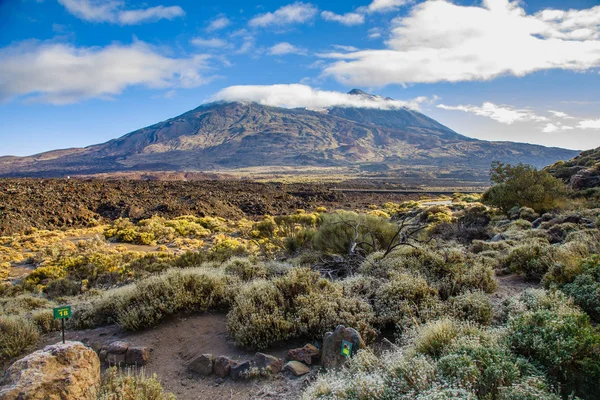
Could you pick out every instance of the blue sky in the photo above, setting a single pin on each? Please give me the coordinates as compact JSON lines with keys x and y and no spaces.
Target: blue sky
{"x":79,"y":72}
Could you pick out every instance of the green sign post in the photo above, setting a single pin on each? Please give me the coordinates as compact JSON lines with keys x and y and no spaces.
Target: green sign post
{"x":346,"y":348}
{"x":62,"y":313}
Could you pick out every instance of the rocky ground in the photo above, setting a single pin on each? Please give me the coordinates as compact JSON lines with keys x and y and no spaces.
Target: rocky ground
{"x":60,"y":203}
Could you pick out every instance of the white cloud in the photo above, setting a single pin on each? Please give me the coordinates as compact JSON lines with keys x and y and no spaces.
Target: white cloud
{"x":560,"y":114}
{"x":302,"y":96}
{"x":285,"y":48}
{"x":385,"y":5}
{"x":374,"y":33}
{"x":218,"y":23}
{"x":132,"y":17}
{"x":552,"y":128}
{"x":60,"y":73}
{"x":345,"y":19}
{"x":213,"y":42}
{"x":292,"y":13}
{"x":442,"y":41}
{"x":111,"y":11}
{"x":589,"y":124}
{"x":343,"y":48}
{"x":501,"y":113}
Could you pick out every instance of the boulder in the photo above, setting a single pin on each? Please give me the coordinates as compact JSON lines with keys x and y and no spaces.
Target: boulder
{"x":203,"y":365}
{"x":137,"y":356}
{"x":223,"y":366}
{"x":332,"y":345}
{"x":118,"y":347}
{"x":296,"y":368}
{"x":238,"y":370}
{"x":61,"y":371}
{"x":269,"y":363}
{"x":307,"y":354}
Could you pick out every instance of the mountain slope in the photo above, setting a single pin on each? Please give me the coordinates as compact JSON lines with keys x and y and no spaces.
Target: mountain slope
{"x":220,"y":136}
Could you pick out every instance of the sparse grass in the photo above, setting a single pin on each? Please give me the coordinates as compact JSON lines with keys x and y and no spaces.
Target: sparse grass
{"x":131,"y":385}
{"x":16,"y":335}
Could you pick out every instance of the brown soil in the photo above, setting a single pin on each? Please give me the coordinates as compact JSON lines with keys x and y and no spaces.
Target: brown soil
{"x":178,"y":340}
{"x":61,"y":203}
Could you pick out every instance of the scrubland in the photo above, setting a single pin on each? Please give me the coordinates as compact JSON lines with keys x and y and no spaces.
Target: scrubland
{"x":420,"y":275}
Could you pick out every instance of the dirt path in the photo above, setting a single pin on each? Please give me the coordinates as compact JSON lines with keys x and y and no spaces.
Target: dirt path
{"x":178,"y":340}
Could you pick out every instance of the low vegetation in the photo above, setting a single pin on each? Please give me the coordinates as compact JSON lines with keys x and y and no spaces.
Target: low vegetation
{"x":421,"y":274}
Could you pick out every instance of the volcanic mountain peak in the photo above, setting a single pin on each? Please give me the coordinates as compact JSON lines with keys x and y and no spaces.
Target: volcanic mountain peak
{"x":230,"y":135}
{"x":361,"y":93}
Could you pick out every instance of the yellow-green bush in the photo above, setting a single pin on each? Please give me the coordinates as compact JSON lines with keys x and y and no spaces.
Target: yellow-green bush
{"x":245,"y":268}
{"x":16,"y":335}
{"x":532,"y":259}
{"x":404,"y":300}
{"x":150,"y":300}
{"x":337,"y":233}
{"x":131,"y":385}
{"x":473,"y":306}
{"x":298,"y":304}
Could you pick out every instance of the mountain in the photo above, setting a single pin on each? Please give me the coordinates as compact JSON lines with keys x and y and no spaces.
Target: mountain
{"x":229,"y":135}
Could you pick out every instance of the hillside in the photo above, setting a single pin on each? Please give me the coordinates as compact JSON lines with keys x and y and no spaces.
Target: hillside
{"x":224,"y":136}
{"x":581,"y":172}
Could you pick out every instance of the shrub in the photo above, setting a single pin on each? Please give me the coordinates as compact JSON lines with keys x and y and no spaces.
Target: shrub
{"x":337,"y":232}
{"x":405,"y":299}
{"x":44,"y":320}
{"x":16,"y":335}
{"x":531,"y":388}
{"x":147,"y":302}
{"x":532,"y":258}
{"x":434,"y":337}
{"x":473,"y":306}
{"x":191,"y":290}
{"x":559,"y":338}
{"x":298,"y":304}
{"x":523,"y":186}
{"x":450,"y":271}
{"x":131,"y":385}
{"x":245,"y":268}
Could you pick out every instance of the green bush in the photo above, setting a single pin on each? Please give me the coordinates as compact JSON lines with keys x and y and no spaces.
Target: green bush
{"x":147,"y":302}
{"x":523,"y":186}
{"x":451,"y":272}
{"x":17,"y":334}
{"x":298,"y":304}
{"x":405,"y":300}
{"x":131,"y":385}
{"x":337,"y":233}
{"x":532,"y":259}
{"x":245,"y":268}
{"x":559,"y":338}
{"x":473,"y":306}
{"x":44,"y":320}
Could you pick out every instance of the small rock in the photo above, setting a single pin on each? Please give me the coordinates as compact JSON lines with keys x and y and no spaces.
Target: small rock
{"x":203,"y":365}
{"x":219,"y":381}
{"x":118,"y":347}
{"x":137,"y":356}
{"x":238,"y":370}
{"x":332,"y":345}
{"x":296,"y":368}
{"x":223,"y":366}
{"x":498,"y":238}
{"x":307,"y":354}
{"x":269,"y":363}
{"x":96,"y":346}
{"x":537,"y":223}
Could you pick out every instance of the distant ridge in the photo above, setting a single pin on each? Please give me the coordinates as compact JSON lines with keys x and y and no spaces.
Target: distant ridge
{"x":224,"y":136}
